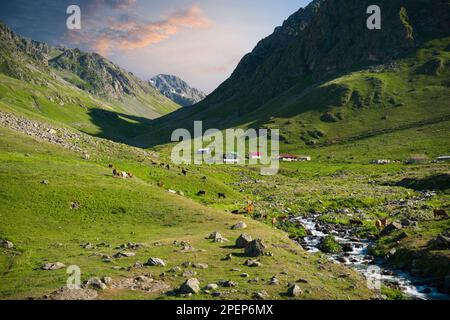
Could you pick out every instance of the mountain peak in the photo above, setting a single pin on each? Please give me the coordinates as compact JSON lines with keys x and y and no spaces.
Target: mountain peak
{"x":177,"y":89}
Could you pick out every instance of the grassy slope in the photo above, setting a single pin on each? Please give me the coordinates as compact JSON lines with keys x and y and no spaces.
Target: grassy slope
{"x":370,"y":102}
{"x":38,"y":220}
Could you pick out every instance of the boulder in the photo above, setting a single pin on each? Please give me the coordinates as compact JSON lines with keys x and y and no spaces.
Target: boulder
{"x":252,"y":263}
{"x":294,"y":291}
{"x":155,"y":262}
{"x":189,"y":273}
{"x":200,"y":265}
{"x":53,"y":266}
{"x":347,"y":247}
{"x":217,"y":237}
{"x":239,"y":226}
{"x":124,"y":255}
{"x":243,"y":240}
{"x":95,"y":283}
{"x":390,"y":228}
{"x":211,"y":286}
{"x":260,"y":295}
{"x":6,"y":244}
{"x":191,"y":285}
{"x":255,"y":248}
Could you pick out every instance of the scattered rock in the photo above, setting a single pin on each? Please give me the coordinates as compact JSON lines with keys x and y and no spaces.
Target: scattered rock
{"x":53,"y":266}
{"x":390,"y":228}
{"x":175,"y":269}
{"x":190,"y":286}
{"x":227,"y":283}
{"x":6,"y":244}
{"x":243,"y":240}
{"x":347,"y":247}
{"x":121,"y":254}
{"x":88,"y":246}
{"x":244,"y":275}
{"x":294,"y":291}
{"x":138,"y":265}
{"x":217,"y":237}
{"x":273,"y":281}
{"x":252,"y":263}
{"x":255,"y":248}
{"x":228,"y":257}
{"x":239,"y":226}
{"x":211,"y":286}
{"x":189,"y":273}
{"x":260,"y":295}
{"x":200,"y":265}
{"x":95,"y":283}
{"x":155,"y":262}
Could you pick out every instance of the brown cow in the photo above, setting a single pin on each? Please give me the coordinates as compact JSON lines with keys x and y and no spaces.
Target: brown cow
{"x":274,"y":221}
{"x":381,"y":223}
{"x":250,"y":207}
{"x":130,"y":175}
{"x":440,"y":213}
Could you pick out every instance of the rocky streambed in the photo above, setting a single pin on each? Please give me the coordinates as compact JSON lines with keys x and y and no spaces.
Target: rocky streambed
{"x":356,"y":255}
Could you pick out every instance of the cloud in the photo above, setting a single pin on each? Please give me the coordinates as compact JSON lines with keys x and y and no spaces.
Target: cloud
{"x":119,"y":4}
{"x":126,"y":33}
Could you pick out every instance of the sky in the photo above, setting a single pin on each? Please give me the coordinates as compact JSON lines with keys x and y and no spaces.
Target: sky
{"x":200,"y":41}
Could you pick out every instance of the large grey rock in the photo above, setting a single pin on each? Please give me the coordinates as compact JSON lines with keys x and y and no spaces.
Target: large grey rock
{"x":239,"y":226}
{"x":190,"y":286}
{"x":53,"y":266}
{"x":6,"y":244}
{"x":255,"y":248}
{"x":243,"y":240}
{"x":95,"y":283}
{"x":294,"y":291}
{"x":157,"y":262}
{"x":390,"y":228}
{"x":217,"y":237}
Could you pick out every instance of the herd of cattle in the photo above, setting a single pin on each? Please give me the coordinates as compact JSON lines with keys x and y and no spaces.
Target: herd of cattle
{"x":249,"y":209}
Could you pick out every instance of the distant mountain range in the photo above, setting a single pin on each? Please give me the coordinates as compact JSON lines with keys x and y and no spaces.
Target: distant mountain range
{"x":82,"y":89}
{"x":177,"y":90}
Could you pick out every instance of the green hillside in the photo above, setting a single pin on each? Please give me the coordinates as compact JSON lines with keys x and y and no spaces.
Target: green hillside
{"x":92,"y":95}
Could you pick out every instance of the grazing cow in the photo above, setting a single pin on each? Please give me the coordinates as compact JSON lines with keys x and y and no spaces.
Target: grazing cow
{"x":201,"y":193}
{"x":110,"y":166}
{"x":130,"y":175}
{"x":168,"y":167}
{"x":381,"y":223}
{"x":250,"y":207}
{"x":87,"y":156}
{"x":440,"y":213}
{"x":184,"y":172}
{"x":124,"y":175}
{"x":356,"y":222}
{"x":235,"y":211}
{"x":274,"y":221}
{"x":115,"y":172}
{"x":222,"y":195}
{"x":160,"y":184}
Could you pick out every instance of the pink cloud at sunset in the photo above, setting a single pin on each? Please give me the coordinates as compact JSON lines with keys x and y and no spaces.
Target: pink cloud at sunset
{"x":132,"y":34}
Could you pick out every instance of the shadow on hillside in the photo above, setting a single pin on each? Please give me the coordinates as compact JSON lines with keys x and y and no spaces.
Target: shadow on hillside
{"x":438,"y":182}
{"x":118,"y":127}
